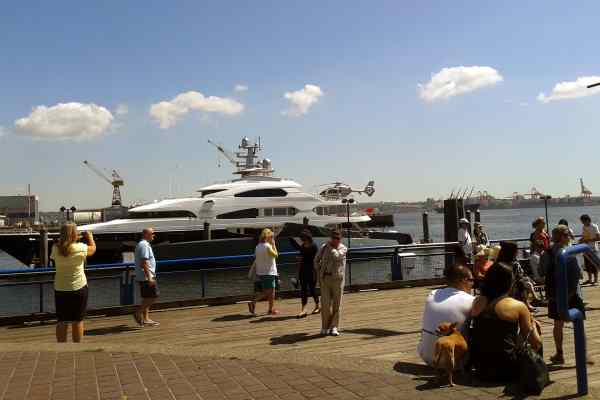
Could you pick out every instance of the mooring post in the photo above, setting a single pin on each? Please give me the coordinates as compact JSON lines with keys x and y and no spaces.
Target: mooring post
{"x":206,"y":233}
{"x":477,"y":215}
{"x":396,"y":266}
{"x":453,"y":211}
{"x":426,"y":238}
{"x":44,"y":247}
{"x":573,"y":314}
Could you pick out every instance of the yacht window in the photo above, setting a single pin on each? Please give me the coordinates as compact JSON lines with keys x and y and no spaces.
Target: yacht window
{"x":239,"y":214}
{"x":280,"y":212}
{"x":292,"y":211}
{"x":161,"y":214}
{"x":205,"y":193}
{"x":263,"y":193}
{"x":268,"y":212}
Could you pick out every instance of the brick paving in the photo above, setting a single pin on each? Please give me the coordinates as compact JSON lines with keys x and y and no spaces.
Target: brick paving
{"x":102,"y":375}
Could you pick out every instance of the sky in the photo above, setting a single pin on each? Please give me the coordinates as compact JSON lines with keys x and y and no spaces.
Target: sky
{"x":420,"y":96}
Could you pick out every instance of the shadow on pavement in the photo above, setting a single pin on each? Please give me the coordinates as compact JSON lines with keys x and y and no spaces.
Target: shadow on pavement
{"x":273,"y":319}
{"x":233,"y":318}
{"x":378,"y":333}
{"x":293,"y":338}
{"x":110,"y":330}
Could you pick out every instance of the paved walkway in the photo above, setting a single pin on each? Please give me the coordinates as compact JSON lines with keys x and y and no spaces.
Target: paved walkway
{"x":222,"y":353}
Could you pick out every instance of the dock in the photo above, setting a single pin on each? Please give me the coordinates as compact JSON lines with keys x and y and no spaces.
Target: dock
{"x":222,"y":352}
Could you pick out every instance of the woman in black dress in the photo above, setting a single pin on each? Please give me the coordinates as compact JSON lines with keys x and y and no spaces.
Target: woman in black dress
{"x":306,"y":271}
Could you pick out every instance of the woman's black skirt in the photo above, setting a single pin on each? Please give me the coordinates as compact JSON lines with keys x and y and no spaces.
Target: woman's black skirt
{"x":71,"y":305}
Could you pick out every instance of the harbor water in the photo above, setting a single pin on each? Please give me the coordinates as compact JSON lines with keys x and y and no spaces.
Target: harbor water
{"x":500,"y":224}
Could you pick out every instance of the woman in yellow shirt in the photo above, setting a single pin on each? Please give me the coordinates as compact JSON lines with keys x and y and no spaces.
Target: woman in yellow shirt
{"x":70,"y":283}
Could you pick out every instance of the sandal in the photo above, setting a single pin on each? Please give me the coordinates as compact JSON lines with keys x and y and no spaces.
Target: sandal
{"x":317,"y":310}
{"x":303,"y":314}
{"x":274,"y":312}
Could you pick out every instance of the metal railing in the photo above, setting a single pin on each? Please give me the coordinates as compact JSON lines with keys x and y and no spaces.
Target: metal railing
{"x":30,"y":291}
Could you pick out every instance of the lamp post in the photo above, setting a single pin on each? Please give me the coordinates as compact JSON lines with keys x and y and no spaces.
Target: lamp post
{"x":546,"y":198}
{"x":347,"y":202}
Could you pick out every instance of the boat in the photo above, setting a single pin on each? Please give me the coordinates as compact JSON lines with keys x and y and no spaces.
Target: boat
{"x":221,"y":219}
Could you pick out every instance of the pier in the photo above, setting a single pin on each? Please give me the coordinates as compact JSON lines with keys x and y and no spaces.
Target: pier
{"x":220,"y":352}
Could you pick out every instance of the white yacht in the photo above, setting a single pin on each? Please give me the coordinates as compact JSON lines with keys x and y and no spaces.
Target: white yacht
{"x":254,"y":201}
{"x":222,"y":219}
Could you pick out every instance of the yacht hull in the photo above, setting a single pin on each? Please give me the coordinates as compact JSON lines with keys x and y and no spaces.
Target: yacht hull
{"x":117,"y":247}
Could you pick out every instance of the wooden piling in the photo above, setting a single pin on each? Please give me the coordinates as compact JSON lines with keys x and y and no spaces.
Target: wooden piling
{"x":206,"y":233}
{"x":44,"y":247}
{"x":426,"y":238}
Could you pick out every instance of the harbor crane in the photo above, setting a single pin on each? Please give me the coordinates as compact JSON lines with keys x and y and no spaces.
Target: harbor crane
{"x":585,"y":192}
{"x":116,"y":182}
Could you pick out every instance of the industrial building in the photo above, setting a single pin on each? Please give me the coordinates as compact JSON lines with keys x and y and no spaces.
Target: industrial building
{"x":20,"y":209}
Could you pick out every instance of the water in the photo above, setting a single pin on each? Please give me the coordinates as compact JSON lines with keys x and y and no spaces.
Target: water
{"x":499,"y":224}
{"x":8,"y":262}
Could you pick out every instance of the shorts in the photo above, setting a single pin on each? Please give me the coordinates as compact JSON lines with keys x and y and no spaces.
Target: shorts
{"x":268,"y":281}
{"x":71,"y":305}
{"x":574,"y":302}
{"x":147,"y":291}
{"x":257,"y":287}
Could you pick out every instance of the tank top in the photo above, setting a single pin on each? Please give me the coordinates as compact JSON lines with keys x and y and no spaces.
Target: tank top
{"x":494,"y":344}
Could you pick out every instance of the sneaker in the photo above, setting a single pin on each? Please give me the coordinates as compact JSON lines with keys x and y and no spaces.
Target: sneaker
{"x":557,"y":359}
{"x":138,"y":318}
{"x":334,"y":332}
{"x":151,"y":323}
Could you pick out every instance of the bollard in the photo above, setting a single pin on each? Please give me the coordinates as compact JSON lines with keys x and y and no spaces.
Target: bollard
{"x":478,"y":215}
{"x":206,"y":233}
{"x":426,"y":238}
{"x":305,"y":221}
{"x":43,"y":247}
{"x":573,"y":314}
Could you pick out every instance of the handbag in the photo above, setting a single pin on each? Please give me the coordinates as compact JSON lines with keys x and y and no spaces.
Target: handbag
{"x":533,"y":371}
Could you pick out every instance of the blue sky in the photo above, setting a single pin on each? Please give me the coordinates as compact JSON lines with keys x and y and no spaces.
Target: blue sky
{"x":366,"y":58}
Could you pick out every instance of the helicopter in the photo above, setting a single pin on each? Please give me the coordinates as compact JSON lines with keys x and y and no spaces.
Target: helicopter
{"x":341,"y":190}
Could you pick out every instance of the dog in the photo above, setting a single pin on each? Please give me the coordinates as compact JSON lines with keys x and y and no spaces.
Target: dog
{"x":450,"y":349}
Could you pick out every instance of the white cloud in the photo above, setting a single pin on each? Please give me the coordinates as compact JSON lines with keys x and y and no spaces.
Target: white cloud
{"x":240,"y":88}
{"x":66,"y":121}
{"x":572,"y":90}
{"x":167,"y":113}
{"x":122,"y":109}
{"x":302,"y":100}
{"x":455,"y":81}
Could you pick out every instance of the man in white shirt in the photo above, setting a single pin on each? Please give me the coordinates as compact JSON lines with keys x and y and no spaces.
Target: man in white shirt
{"x":452,"y":304}
{"x":464,"y":238}
{"x":590,"y":236}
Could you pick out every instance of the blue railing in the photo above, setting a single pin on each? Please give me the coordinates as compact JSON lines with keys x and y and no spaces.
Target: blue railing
{"x":573,"y":314}
{"x":198,"y":284}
